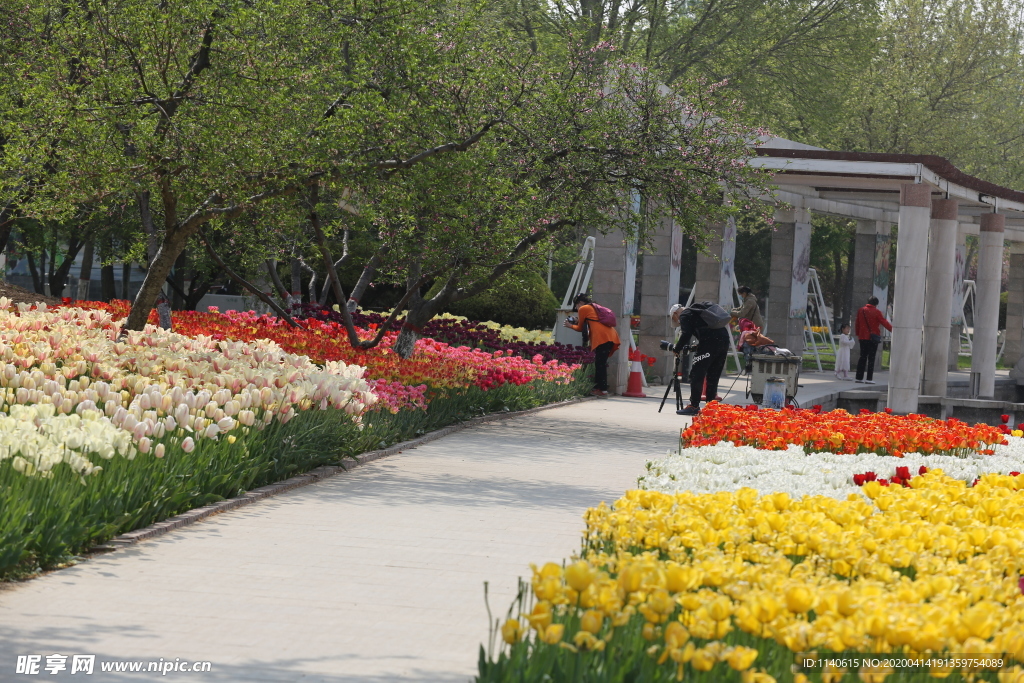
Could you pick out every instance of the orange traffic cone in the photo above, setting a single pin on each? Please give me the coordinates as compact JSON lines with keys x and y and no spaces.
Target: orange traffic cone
{"x":634,"y":388}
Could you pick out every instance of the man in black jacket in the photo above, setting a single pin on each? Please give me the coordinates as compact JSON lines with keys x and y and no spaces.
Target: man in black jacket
{"x":709,"y":357}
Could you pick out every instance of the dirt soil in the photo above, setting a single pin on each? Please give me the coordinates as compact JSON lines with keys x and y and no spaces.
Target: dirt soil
{"x":20,"y":295}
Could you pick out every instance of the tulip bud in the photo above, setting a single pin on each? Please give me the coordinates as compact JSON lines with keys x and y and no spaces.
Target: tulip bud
{"x":212,"y":431}
{"x":159,"y":450}
{"x":188,"y":445}
{"x":144,"y":445}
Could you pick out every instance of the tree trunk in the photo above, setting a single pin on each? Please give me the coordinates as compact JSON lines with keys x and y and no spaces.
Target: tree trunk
{"x":198,"y":288}
{"x":173,"y":244}
{"x":85,"y":275}
{"x":420,"y":313}
{"x":48,"y":282}
{"x":8,"y":214}
{"x":365,"y":278}
{"x":108,"y":289}
{"x":295,"y":297}
{"x":59,"y":277}
{"x":325,"y":252}
{"x":37,"y":284}
{"x":178,"y":294}
{"x":257,"y":290}
{"x":282,"y":291}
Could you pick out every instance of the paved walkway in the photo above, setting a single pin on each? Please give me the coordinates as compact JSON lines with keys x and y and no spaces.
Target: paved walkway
{"x":370,"y":576}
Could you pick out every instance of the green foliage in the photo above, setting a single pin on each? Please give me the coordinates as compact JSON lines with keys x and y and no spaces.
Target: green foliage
{"x":44,"y":522}
{"x":520,"y":300}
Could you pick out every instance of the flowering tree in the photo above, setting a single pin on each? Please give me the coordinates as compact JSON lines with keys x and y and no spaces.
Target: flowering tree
{"x":204,"y":110}
{"x":578,"y":143}
{"x":465,"y":150}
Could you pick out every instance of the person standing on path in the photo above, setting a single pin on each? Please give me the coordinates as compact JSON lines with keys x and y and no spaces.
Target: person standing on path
{"x":868,"y":323}
{"x":604,"y":340}
{"x":845,"y":343}
{"x":710,"y":354}
{"x":748,"y":309}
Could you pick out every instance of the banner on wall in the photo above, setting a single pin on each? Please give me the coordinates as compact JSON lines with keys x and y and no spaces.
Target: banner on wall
{"x":725,"y":298}
{"x":959,"y":268}
{"x":676,"y":262}
{"x":880,"y":281}
{"x":801,"y":271}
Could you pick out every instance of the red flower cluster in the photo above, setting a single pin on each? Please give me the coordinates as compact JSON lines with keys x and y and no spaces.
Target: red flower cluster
{"x":901,"y":478}
{"x":838,"y":431}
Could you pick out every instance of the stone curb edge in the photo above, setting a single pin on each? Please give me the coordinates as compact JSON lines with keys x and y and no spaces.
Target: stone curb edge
{"x":313,"y":476}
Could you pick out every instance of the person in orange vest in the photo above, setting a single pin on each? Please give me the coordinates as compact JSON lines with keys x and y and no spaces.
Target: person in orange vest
{"x":603,"y":340}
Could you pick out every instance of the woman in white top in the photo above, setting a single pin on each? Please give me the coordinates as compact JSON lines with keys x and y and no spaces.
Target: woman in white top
{"x":846,"y":343}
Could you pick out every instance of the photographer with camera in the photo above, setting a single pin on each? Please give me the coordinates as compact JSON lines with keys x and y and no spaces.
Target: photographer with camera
{"x":597,"y":324}
{"x":708,"y":322}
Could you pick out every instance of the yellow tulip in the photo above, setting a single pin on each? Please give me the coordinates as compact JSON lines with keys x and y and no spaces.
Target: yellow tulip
{"x":741,"y":658}
{"x":587,"y":641}
{"x":591,"y":621}
{"x":540,"y":617}
{"x":720,"y":608}
{"x":703,"y":660}
{"x":676,"y":635}
{"x":799,"y":599}
{"x":553,"y":634}
{"x":579,"y":575}
{"x":512,"y":631}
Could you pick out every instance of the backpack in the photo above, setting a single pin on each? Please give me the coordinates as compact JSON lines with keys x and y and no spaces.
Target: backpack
{"x":605,"y":316}
{"x":713,"y":315}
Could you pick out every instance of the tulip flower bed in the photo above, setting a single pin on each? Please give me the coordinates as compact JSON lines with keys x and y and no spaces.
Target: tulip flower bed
{"x":838,"y":431}
{"x":101,"y":433}
{"x":731,"y":559}
{"x":435,"y":364}
{"x":728,"y":586}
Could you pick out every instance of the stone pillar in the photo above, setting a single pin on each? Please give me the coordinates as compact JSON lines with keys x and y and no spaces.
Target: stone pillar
{"x":986,"y":317}
{"x":908,"y":303}
{"x":939,"y":295}
{"x":867,"y":262}
{"x":612,"y":280}
{"x":956,"y":312}
{"x":709,"y":266}
{"x":787,"y":280}
{"x":659,"y":291}
{"x":1014,"y":306}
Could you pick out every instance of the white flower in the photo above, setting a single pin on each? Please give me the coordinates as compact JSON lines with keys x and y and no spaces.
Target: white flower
{"x":725,"y":467}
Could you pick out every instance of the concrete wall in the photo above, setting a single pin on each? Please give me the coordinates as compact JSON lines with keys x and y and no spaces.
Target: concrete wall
{"x":659,"y":291}
{"x":788,"y":332}
{"x":1014,"y":305}
{"x":608,"y":285}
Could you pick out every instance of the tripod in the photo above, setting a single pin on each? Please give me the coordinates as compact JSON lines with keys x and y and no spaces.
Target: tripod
{"x":680,"y":376}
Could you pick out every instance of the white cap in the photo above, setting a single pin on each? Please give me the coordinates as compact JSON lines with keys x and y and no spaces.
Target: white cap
{"x":675,"y":307}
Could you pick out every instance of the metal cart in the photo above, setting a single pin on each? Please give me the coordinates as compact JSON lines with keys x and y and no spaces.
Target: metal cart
{"x":765,"y":366}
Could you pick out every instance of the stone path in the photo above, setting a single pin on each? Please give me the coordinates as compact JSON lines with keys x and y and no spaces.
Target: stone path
{"x":371,"y":576}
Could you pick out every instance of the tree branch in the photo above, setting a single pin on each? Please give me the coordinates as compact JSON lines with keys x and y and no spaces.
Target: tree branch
{"x":245,"y":283}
